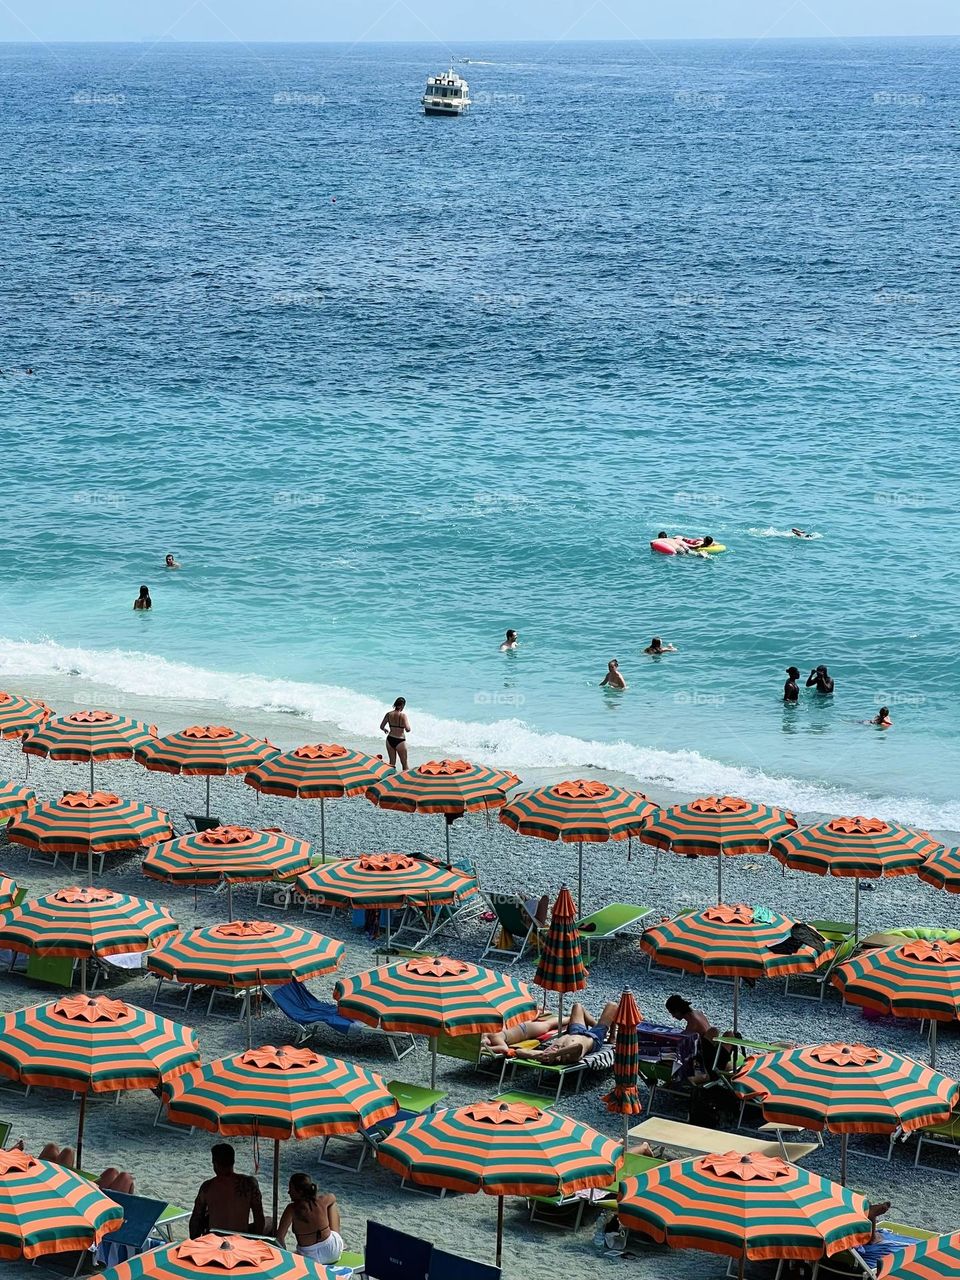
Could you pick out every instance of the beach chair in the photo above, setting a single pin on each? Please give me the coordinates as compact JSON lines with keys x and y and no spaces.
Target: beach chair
{"x":202,"y":821}
{"x":5,"y":1127}
{"x":516,"y":923}
{"x":552,"y":1079}
{"x":134,"y":1235}
{"x":393,"y":1255}
{"x":813,"y":986}
{"x":303,"y":1008}
{"x":450,"y":1266}
{"x":469,"y":1049}
{"x":662,"y":1081}
{"x":56,"y":971}
{"x":566,"y":1212}
{"x":945,"y":1135}
{"x":608,"y":923}
{"x":179,"y":994}
{"x":849,"y":1263}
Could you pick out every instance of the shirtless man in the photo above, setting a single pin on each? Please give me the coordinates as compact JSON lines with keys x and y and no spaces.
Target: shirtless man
{"x":613,"y":679}
{"x":656,"y":646}
{"x":583,"y":1035}
{"x":820,"y":677}
{"x":695,"y":1022}
{"x":228,"y":1201}
{"x":502,"y":1043}
{"x":396,"y":726}
{"x":510,"y":643}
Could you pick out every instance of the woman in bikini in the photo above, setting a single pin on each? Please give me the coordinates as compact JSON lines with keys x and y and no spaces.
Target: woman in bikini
{"x":396,"y":726}
{"x":315,"y":1220}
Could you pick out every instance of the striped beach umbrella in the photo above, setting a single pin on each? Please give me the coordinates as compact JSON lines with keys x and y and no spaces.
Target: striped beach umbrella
{"x":90,"y":822}
{"x":846,"y":1088}
{"x":582,"y":811}
{"x":624,"y":1098}
{"x":234,"y":855}
{"x":433,"y":995}
{"x":9,"y":892}
{"x":86,"y":736}
{"x":730,"y":942}
{"x":93,"y":1045}
{"x":15,"y":798}
{"x":450,"y":787}
{"x":318,"y":771}
{"x":387,"y":882}
{"x":560,"y":967}
{"x":212,"y":750}
{"x":916,"y":979}
{"x":857,"y":848}
{"x":19,"y":715}
{"x":942,"y":870}
{"x":934,"y":1259}
{"x":502,"y":1149}
{"x":212,"y":1257}
{"x":243,"y":954}
{"x":83,"y":923}
{"x":46,"y":1208}
{"x":279,"y":1092}
{"x":749,"y":1207}
{"x":717,"y":826}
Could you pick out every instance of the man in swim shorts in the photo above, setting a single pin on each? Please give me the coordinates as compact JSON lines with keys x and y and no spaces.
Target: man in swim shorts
{"x":583,"y":1035}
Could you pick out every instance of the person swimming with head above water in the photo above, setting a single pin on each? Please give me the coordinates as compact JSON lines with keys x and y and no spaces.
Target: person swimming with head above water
{"x":882,"y":719}
{"x":143,"y":600}
{"x":820,"y":678}
{"x":510,"y":643}
{"x":171,"y":562}
{"x":613,"y":679}
{"x":799,"y":533}
{"x":656,"y":646}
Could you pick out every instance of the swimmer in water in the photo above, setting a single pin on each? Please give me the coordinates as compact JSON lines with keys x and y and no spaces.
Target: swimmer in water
{"x":799,"y":533}
{"x":791,"y":690}
{"x":613,"y":679}
{"x":820,"y":677}
{"x":656,"y":646}
{"x":396,"y":726}
{"x":143,"y":600}
{"x":171,"y":563}
{"x":680,"y":546}
{"x":510,"y":643}
{"x":882,"y":719}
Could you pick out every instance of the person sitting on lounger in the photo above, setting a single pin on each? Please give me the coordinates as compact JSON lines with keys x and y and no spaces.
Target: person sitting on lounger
{"x":882,"y":1243}
{"x":696,"y":1023}
{"x":228,"y":1201}
{"x":315,"y":1220}
{"x":583,"y":1035}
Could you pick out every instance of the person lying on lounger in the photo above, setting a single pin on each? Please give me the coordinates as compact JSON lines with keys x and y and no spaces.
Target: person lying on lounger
{"x":503,"y":1043}
{"x":583,"y":1035}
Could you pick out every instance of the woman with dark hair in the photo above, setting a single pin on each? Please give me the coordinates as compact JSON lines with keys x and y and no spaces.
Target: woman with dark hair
{"x":315,"y":1220}
{"x":396,"y":726}
{"x":143,"y":600}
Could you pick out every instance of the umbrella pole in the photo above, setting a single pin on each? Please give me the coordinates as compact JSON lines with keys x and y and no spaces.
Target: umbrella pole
{"x":446,"y":832}
{"x":560,"y":1015}
{"x":856,"y":908}
{"x":740,"y":1268}
{"x":83,"y":974}
{"x":276,"y":1182}
{"x":229,"y":900}
{"x":388,"y":930}
{"x":248,"y":997}
{"x":90,"y":865}
{"x":323,"y":833}
{"x":736,"y":1005}
{"x":629,"y":848}
{"x":580,"y":882}
{"x":719,"y":877}
{"x":933,"y":1042}
{"x":83,"y":1113}
{"x":208,"y":795}
{"x":91,"y":773}
{"x":499,"y":1229}
{"x":843,"y":1159}
{"x":433,"y":1062}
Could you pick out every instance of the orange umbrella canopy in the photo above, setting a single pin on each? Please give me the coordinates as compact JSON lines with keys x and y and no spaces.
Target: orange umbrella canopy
{"x":46,"y":1208}
{"x":19,"y":716}
{"x":942,"y":870}
{"x":89,"y":822}
{"x":15,"y":798}
{"x":317,"y":771}
{"x":210,"y":750}
{"x":246,"y":953}
{"x":86,"y":736}
{"x":624,"y":1098}
{"x":233,"y":854}
{"x":214,"y":1257}
{"x":387,"y":881}
{"x":560,"y":967}
{"x":84,"y":922}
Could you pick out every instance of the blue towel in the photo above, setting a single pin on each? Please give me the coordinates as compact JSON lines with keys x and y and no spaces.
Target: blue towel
{"x":302,"y":1007}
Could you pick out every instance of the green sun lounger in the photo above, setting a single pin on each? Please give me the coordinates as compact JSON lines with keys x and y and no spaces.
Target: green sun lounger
{"x":608,"y":923}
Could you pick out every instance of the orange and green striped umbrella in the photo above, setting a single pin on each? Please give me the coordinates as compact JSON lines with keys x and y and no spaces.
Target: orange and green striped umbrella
{"x":85,"y":922}
{"x":388,"y":882}
{"x":916,"y":979}
{"x":93,"y":1045}
{"x":280,"y":1093}
{"x":750,"y":1207}
{"x":718,"y":826}
{"x":942,"y":870}
{"x":19,"y":716}
{"x":205,"y":749}
{"x":430,"y":995}
{"x":858,"y":848}
{"x":582,"y":811}
{"x":847,"y":1088}
{"x":235,"y":855}
{"x":501,"y":1149}
{"x":624,"y":1098}
{"x":560,"y":967}
{"x":9,"y":892}
{"x":318,"y":771}
{"x":934,"y":1259}
{"x":86,"y":736}
{"x":213,"y":1257}
{"x":89,"y":822}
{"x":15,"y":798}
{"x":46,"y":1208}
{"x":730,"y":942}
{"x":450,"y":787}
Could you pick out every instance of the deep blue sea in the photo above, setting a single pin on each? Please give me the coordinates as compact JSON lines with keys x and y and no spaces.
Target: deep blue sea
{"x":388,"y":385}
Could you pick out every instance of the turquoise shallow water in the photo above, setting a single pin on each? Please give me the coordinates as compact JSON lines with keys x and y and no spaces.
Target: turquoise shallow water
{"x":388,"y":385}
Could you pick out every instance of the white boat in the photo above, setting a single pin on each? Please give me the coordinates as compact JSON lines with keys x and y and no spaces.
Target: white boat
{"x":446,"y":95}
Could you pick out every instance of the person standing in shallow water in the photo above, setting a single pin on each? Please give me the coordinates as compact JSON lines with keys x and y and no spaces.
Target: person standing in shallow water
{"x":791,"y":689}
{"x":613,"y":679}
{"x":143,"y":600}
{"x":822,"y":679}
{"x":396,"y":726}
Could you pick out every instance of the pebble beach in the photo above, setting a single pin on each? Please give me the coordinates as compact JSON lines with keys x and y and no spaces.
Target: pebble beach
{"x":171,"y":1165}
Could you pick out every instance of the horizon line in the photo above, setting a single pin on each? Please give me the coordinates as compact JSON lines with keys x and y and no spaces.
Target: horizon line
{"x":166,"y":40}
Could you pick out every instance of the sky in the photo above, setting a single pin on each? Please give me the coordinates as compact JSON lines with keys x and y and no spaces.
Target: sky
{"x":459,"y":20}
